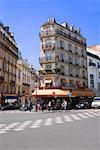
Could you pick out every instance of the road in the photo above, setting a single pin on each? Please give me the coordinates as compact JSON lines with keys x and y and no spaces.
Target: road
{"x":71,"y":130}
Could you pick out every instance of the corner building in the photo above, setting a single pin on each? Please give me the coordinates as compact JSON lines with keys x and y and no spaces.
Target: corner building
{"x":63,"y":56}
{"x":8,"y":61}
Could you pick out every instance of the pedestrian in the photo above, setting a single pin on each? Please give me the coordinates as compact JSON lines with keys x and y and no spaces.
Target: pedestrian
{"x":53,"y":105}
{"x":64,"y":105}
{"x":49,"y":105}
{"x":42,"y":105}
{"x":36,"y":107}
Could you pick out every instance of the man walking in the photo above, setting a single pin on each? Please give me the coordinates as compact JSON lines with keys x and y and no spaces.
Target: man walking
{"x":64,"y":105}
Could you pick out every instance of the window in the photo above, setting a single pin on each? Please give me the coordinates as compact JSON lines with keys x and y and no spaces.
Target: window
{"x":62,"y":57}
{"x":62,"y":70}
{"x":62,"y":44}
{"x":76,"y":60}
{"x":48,"y":66}
{"x":84,"y":74}
{"x":48,"y":55}
{"x":76,"y":50}
{"x":77,"y":72}
{"x":91,"y":80}
{"x":83,"y":52}
{"x":69,"y":47}
{"x":99,"y":75}
{"x":70,"y":70}
{"x":98,"y":86}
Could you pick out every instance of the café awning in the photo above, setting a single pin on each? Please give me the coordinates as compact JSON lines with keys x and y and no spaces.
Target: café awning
{"x":51,"y":92}
{"x":83,"y":92}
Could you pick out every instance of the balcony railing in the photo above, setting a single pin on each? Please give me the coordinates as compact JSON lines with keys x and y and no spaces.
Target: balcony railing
{"x":92,"y":64}
{"x":47,"y":60}
{"x":59,"y":32}
{"x":47,"y":33}
{"x":48,"y":46}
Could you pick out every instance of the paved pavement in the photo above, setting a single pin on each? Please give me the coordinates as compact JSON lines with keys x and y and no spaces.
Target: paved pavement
{"x":72,"y":130}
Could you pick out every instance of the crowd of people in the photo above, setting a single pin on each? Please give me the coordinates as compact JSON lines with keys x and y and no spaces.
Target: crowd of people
{"x":41,"y":105}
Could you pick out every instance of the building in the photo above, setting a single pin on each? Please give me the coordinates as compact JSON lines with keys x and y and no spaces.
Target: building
{"x":93,"y":63}
{"x":8,"y":61}
{"x":27,"y":78}
{"x":63,"y":57}
{"x":95,"y":49}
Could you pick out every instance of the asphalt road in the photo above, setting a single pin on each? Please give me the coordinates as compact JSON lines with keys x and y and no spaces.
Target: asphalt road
{"x":72,"y":130}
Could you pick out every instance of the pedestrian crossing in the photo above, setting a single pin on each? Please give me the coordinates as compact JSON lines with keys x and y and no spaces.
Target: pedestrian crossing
{"x":42,"y":122}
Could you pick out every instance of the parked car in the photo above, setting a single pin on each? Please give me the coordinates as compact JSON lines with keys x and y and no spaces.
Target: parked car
{"x":10,"y":106}
{"x":83,"y":105}
{"x":96,"y":102}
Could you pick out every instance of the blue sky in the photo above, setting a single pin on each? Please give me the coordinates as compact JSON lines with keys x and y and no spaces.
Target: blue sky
{"x":26,"y":16}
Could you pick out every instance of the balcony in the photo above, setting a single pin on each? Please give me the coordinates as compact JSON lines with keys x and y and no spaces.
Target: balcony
{"x":92,"y":64}
{"x":43,"y":60}
{"x":70,"y":37}
{"x":47,"y":33}
{"x":49,"y":70}
{"x":53,"y":32}
{"x":48,"y":46}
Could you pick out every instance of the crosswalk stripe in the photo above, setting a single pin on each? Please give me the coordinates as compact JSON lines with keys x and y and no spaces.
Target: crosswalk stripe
{"x":94,"y":113}
{"x":48,"y":122}
{"x":58,"y":120}
{"x":81,"y":115}
{"x":9,"y":127}
{"x":22,"y":126}
{"x":2,"y":125}
{"x":37,"y":123}
{"x":75,"y":117}
{"x":67,"y":118}
{"x":87,"y":114}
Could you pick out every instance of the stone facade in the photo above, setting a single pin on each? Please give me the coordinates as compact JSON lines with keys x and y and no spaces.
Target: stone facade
{"x":8,"y":61}
{"x":63,"y":56}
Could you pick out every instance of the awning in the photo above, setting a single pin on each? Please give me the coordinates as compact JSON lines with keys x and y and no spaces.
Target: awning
{"x":51,"y":93}
{"x":47,"y":81}
{"x":83,"y":92}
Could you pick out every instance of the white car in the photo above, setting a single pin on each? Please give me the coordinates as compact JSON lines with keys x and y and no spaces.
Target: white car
{"x":96,"y":102}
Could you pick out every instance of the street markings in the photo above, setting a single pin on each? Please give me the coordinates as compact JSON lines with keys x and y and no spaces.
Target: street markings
{"x":48,"y":122}
{"x":2,"y":125}
{"x":87,"y":114}
{"x":20,"y":126}
{"x":37,"y":123}
{"x":82,"y":116}
{"x":9,"y":127}
{"x":94,"y":113}
{"x":75,"y":117}
{"x":67,"y":118}
{"x":58,"y":120}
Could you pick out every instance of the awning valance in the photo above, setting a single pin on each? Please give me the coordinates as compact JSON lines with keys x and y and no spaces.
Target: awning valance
{"x":47,"y":81}
{"x":51,"y":92}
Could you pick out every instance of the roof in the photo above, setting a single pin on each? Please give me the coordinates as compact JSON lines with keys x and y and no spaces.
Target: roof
{"x":93,"y":55}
